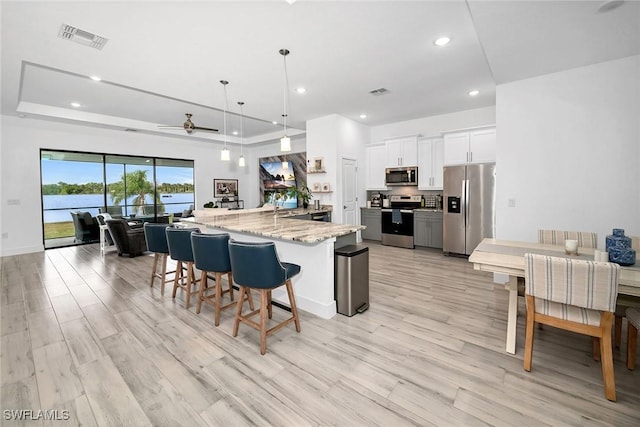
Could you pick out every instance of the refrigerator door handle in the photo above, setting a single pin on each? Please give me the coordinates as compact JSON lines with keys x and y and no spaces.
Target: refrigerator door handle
{"x":466,"y":202}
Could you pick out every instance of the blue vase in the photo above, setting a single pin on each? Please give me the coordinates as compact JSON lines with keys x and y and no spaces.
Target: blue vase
{"x":619,"y":248}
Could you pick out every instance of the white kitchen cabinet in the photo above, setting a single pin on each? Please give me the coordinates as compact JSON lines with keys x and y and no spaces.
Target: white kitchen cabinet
{"x":474,"y":146}
{"x":376,"y":164}
{"x":402,"y":152}
{"x":430,"y":164}
{"x":482,"y":145}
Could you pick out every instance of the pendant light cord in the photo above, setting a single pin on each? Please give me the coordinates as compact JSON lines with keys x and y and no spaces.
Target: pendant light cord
{"x":241,"y":126}
{"x":285,"y":91}
{"x":224,"y":119}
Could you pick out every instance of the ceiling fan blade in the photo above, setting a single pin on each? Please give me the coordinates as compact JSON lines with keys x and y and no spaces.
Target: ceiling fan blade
{"x":171,"y":127}
{"x":205,"y":129}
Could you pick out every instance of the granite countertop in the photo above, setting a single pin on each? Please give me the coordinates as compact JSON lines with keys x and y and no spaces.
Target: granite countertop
{"x":263,"y":223}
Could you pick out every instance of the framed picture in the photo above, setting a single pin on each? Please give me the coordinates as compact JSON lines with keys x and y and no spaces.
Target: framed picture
{"x":326,"y":187}
{"x":225,"y":187}
{"x":318,"y":164}
{"x":317,"y":186}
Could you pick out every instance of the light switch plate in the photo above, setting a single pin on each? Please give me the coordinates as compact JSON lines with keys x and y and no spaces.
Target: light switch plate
{"x":511,"y":203}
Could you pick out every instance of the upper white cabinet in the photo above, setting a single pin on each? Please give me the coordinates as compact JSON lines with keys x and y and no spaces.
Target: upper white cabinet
{"x":474,"y":146}
{"x":376,"y":164}
{"x":402,"y":152}
{"x":430,"y":164}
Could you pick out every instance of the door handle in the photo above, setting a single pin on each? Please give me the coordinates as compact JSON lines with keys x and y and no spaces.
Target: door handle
{"x":466,"y":202}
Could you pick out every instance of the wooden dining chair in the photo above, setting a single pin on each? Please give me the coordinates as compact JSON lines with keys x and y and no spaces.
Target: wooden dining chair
{"x":586,"y":239}
{"x":575,"y":295}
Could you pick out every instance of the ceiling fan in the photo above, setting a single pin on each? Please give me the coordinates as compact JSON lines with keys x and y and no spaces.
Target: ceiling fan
{"x":189,"y":126}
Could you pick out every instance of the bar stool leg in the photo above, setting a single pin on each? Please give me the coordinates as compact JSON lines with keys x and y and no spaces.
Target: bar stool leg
{"x":164,"y":273}
{"x":264,"y":306}
{"x":154,"y":269}
{"x":236,"y":322}
{"x":216,"y":303}
{"x":190,"y":283}
{"x":269,"y":307}
{"x":230,"y":280}
{"x":203,"y":284}
{"x":179,"y":276}
{"x":292,"y":301}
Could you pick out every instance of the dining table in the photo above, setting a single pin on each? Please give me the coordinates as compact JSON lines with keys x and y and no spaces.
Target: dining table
{"x":507,"y":257}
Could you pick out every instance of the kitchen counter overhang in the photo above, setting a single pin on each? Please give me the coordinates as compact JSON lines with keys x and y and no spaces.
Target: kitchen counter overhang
{"x":310,"y":244}
{"x":280,"y":226}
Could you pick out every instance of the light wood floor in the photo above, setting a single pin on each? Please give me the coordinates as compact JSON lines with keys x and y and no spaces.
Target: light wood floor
{"x":86,"y":334}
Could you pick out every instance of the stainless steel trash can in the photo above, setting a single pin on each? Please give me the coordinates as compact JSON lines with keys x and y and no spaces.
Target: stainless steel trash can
{"x":352,"y":279}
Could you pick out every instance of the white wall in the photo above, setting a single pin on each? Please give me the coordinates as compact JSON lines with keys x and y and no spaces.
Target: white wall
{"x":433,"y":126}
{"x":334,"y":137}
{"x":568,"y":151}
{"x":20,"y":168}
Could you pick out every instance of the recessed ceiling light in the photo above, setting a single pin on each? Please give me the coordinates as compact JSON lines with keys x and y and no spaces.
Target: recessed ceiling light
{"x":235,"y":132}
{"x":95,"y":78}
{"x":76,"y":104}
{"x":363,"y":116}
{"x":274,"y":122}
{"x":442,"y":41}
{"x":474,"y":92}
{"x":301,"y":90}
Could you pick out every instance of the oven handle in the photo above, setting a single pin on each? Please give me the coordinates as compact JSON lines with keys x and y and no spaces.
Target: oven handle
{"x":401,"y":210}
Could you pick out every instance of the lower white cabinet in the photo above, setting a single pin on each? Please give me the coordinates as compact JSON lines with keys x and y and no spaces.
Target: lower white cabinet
{"x":372,"y":219}
{"x":427,"y":229}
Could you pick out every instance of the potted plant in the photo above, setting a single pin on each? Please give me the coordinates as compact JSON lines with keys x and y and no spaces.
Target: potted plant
{"x":301,"y":193}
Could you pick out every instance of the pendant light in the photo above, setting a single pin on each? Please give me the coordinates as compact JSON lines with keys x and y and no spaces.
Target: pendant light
{"x":224,"y":154}
{"x":241,"y":159}
{"x":285,"y":141}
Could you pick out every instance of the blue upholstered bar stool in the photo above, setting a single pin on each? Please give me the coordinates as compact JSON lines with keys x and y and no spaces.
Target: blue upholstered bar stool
{"x":211,"y":255}
{"x":179,"y":241}
{"x":156,"y":237}
{"x":256,"y":266}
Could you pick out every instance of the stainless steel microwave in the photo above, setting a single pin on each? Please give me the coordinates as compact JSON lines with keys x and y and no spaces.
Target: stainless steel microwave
{"x":401,"y":176}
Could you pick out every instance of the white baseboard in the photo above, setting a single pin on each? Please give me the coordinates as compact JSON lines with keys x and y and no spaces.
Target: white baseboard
{"x":21,"y":251}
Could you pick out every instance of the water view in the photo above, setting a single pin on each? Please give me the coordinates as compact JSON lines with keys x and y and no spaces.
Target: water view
{"x":57,"y":207}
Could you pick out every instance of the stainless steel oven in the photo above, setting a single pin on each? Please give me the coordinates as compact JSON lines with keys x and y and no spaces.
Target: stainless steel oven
{"x":397,"y":221}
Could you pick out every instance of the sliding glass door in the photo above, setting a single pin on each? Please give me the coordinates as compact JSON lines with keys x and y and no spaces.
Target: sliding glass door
{"x":77,"y":186}
{"x":130,"y":187}
{"x":70,"y":182}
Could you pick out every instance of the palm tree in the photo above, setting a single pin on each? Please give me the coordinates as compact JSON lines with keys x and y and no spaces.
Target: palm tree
{"x":136,"y":185}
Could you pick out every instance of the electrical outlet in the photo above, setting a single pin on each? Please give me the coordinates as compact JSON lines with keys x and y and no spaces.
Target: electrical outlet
{"x":5,"y":235}
{"x":13,"y":202}
{"x":511,"y":203}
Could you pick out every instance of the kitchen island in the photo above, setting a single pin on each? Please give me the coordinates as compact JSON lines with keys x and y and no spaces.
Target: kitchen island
{"x":310,"y":244}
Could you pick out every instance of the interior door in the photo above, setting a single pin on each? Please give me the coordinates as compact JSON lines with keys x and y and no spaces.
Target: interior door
{"x":349,"y":191}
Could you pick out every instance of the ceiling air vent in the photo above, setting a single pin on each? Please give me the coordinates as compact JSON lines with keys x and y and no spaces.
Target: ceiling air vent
{"x":378,"y":92}
{"x":83,"y":37}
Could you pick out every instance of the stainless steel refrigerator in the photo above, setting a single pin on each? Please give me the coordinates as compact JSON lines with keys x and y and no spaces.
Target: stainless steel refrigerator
{"x":469,"y":206}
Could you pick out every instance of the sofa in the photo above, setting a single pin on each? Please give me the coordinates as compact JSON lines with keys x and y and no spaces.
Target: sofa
{"x":86,"y":227}
{"x":129,"y":241}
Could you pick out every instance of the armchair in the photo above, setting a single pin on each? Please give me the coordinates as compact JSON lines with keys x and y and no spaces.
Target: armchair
{"x":86,"y":227}
{"x":130,"y":241}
